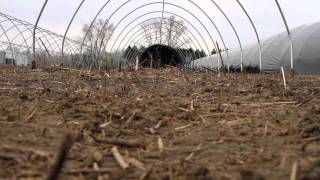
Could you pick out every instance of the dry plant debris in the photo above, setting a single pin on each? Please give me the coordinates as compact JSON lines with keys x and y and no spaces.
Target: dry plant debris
{"x":167,"y":124}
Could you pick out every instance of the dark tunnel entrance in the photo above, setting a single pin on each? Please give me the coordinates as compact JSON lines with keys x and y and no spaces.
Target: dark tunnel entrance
{"x":158,"y":56}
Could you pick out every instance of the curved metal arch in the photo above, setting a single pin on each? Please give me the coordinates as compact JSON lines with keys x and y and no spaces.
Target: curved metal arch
{"x":4,"y":20}
{"x":217,"y":29}
{"x":72,"y":50}
{"x":90,"y":26}
{"x":184,"y":10}
{"x":55,"y":37}
{"x":147,"y":4}
{"x":42,"y":35}
{"x":19,"y":32}
{"x":106,"y":23}
{"x":26,"y":29}
{"x":163,"y":5}
{"x":256,"y":32}
{"x":69,"y":25}
{"x":153,"y":24}
{"x":132,"y":38}
{"x":289,"y":34}
{"x":177,"y":42}
{"x":142,"y":38}
{"x":40,"y":31}
{"x":35,"y":28}
{"x":17,"y":28}
{"x":60,"y":37}
{"x":26,"y":24}
{"x":4,"y":43}
{"x":135,"y":34}
{"x":135,"y":54}
{"x":141,"y":24}
{"x":185,"y":20}
{"x":181,"y":53}
{"x":184,"y":38}
{"x":7,"y":38}
{"x":234,"y":30}
{"x":52,"y":37}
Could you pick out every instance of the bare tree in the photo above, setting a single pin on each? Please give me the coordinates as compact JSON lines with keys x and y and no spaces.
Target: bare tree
{"x":175,"y":30}
{"x":172,"y":28}
{"x":96,"y":38}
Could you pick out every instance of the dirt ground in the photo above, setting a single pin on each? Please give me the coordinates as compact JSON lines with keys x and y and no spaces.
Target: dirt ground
{"x":166,"y":124}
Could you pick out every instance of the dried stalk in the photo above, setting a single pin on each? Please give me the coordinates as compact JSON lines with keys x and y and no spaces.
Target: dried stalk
{"x":284,"y":79}
{"x":131,"y":117}
{"x":136,"y":163}
{"x":294,"y":170}
{"x":160,"y":145}
{"x":120,"y":142}
{"x":192,"y":105}
{"x":116,"y":154}
{"x":29,"y":118}
{"x":102,"y":126}
{"x":183,"y":127}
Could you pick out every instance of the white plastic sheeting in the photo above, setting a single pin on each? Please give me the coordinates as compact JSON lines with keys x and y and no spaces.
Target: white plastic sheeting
{"x":276,"y":52}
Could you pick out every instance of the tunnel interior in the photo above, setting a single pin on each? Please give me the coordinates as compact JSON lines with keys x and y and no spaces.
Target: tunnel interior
{"x":158,"y":56}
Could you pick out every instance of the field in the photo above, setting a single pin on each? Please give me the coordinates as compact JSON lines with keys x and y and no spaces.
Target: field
{"x":167,"y":124}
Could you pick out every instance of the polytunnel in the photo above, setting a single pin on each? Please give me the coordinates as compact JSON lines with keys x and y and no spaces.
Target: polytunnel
{"x":83,"y":33}
{"x":160,"y":89}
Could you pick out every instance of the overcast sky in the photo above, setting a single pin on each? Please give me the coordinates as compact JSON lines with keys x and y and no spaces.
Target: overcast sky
{"x":264,"y":14}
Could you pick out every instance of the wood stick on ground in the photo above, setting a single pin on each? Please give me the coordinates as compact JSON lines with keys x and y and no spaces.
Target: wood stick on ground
{"x":67,"y":144}
{"x":284,"y":79}
{"x":183,"y":127}
{"x":225,"y":109}
{"x":121,"y":142}
{"x":160,"y":144}
{"x":29,"y":118}
{"x":183,"y":109}
{"x":131,"y":117}
{"x":158,"y":125}
{"x":193,"y":153}
{"x":294,"y":170}
{"x":104,"y":125}
{"x":34,"y":111}
{"x":265,"y":133}
{"x":192,"y":105}
{"x":136,"y":163}
{"x":116,"y":154}
{"x":202,"y":119}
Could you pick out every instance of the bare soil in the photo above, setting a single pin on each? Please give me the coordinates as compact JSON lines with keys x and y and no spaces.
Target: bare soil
{"x":167,"y":124}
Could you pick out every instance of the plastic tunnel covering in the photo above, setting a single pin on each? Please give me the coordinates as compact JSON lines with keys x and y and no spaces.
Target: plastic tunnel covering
{"x":276,"y":52}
